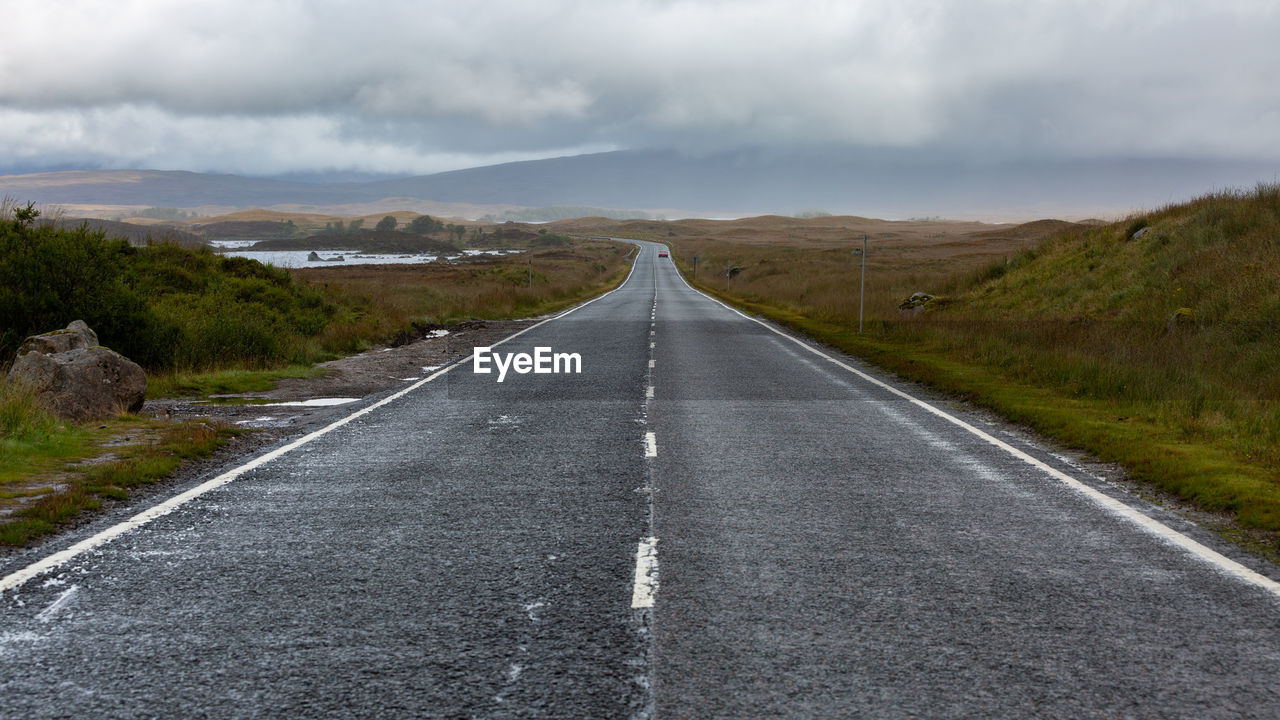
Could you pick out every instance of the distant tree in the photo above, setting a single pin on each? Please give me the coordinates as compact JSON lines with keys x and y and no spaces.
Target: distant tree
{"x":425,"y":225}
{"x":387,"y":223}
{"x":354,"y":227}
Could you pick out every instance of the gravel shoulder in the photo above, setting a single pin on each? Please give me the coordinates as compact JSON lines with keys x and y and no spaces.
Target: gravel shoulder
{"x":296,"y":406}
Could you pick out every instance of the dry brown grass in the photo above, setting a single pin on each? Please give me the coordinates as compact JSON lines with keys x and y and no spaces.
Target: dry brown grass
{"x":1059,"y":326}
{"x":381,"y":300}
{"x":809,"y":265}
{"x":259,"y":215}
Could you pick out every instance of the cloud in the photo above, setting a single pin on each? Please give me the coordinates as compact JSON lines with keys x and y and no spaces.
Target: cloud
{"x":408,"y":86}
{"x":148,"y":137}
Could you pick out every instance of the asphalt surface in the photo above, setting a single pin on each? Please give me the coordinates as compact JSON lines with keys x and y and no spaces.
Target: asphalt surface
{"x":825,"y":548}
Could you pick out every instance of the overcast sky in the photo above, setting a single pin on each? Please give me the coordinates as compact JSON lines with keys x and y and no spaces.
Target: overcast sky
{"x":262,"y":87}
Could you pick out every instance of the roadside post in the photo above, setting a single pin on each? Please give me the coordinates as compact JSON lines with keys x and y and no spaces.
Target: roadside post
{"x":862,"y":284}
{"x":695,"y":266}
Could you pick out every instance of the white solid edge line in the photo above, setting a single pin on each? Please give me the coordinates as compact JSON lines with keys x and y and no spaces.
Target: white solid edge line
{"x":650,"y":445}
{"x":1151,"y":525}
{"x":45,"y":564}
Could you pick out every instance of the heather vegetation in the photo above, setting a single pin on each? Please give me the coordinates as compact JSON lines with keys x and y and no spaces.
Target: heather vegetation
{"x":1153,"y":342}
{"x":176,"y":309}
{"x":163,"y":306}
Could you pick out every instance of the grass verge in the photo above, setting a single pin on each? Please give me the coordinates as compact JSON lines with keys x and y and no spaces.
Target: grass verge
{"x":1203,"y":473}
{"x":1156,"y":352}
{"x":51,"y":472}
{"x":223,"y":382}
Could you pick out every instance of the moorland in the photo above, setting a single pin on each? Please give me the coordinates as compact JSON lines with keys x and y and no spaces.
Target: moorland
{"x":1149,"y":341}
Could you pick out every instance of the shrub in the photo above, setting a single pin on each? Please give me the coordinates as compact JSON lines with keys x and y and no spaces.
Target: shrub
{"x":162,"y":306}
{"x":50,"y":276}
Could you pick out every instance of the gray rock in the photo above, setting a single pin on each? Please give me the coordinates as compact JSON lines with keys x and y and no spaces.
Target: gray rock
{"x":76,"y":336}
{"x":1141,"y":233}
{"x":82,"y":383}
{"x":313,"y":257}
{"x":917,"y":299}
{"x":915,"y":304}
{"x":1182,"y":317}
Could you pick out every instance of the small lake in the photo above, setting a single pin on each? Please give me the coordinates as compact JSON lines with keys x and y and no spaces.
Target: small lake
{"x":332,"y":258}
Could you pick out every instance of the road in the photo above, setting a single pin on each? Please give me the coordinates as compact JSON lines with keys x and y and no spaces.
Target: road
{"x":711,"y":519}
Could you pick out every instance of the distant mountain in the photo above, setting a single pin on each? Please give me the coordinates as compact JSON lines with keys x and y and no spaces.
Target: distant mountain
{"x":158,"y":188}
{"x":869,"y":182}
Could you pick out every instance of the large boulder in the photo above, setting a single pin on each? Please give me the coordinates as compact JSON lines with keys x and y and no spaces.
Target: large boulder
{"x":77,"y":379}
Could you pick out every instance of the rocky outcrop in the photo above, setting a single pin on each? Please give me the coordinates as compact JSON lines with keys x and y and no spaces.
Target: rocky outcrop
{"x":77,"y":379}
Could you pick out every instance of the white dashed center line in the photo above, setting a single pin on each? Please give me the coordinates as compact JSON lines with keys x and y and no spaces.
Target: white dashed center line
{"x":646,"y":581}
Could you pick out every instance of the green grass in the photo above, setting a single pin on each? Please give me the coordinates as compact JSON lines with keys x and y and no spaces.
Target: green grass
{"x":21,"y":418}
{"x":223,"y":382}
{"x":1074,"y":339}
{"x":52,"y":470}
{"x":32,"y":440}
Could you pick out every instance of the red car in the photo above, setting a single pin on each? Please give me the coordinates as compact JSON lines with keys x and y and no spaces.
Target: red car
{"x":663,"y":253}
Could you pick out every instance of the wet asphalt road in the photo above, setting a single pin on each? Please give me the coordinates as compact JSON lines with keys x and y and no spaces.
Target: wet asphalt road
{"x":825,"y":548}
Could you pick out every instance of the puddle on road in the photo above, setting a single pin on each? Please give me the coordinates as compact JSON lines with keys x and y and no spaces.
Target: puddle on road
{"x":316,"y":402}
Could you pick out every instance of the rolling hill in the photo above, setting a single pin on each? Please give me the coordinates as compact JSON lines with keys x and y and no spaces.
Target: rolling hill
{"x":871,"y":182}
